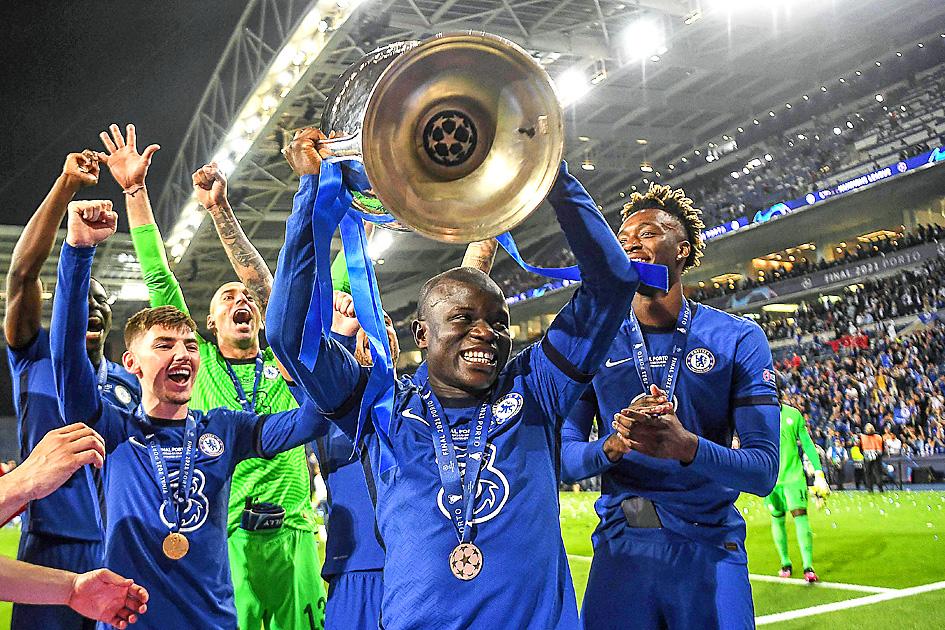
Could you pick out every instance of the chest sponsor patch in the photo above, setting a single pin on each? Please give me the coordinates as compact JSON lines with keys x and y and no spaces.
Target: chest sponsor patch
{"x":210,"y":445}
{"x":700,"y":361}
{"x":506,"y":407}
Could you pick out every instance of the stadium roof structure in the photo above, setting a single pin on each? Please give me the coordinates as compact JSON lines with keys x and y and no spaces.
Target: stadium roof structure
{"x":715,"y":65}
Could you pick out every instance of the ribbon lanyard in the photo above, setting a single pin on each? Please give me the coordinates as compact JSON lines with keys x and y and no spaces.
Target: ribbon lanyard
{"x":247,"y":404}
{"x":177,"y":500}
{"x":456,"y":486}
{"x":642,"y":357}
{"x":102,"y":374}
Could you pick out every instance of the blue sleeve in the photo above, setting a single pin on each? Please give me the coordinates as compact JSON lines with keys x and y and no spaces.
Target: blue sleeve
{"x":76,"y":387}
{"x":336,"y":378}
{"x":578,"y":339}
{"x":753,"y":467}
{"x":581,"y":459}
{"x":286,"y":430}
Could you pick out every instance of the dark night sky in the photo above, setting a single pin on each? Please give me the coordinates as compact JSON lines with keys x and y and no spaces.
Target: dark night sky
{"x":71,"y":68}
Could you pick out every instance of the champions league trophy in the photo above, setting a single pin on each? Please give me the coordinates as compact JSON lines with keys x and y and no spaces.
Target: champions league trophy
{"x":460,"y":136}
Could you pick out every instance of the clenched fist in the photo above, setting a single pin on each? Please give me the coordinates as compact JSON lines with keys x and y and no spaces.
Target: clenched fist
{"x":90,"y":222}
{"x":306,"y":152}
{"x":81,"y":169}
{"x":210,"y":186}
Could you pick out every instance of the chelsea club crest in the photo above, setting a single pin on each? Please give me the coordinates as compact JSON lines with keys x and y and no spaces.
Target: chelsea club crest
{"x":506,"y":407}
{"x":122,"y":394}
{"x":700,"y":360}
{"x":271,"y":372}
{"x":210,"y":445}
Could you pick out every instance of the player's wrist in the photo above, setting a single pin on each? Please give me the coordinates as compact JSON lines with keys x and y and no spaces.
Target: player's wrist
{"x":613,"y":448}
{"x":688,"y":448}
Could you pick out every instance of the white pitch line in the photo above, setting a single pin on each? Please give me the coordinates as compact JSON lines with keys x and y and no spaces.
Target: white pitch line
{"x":837,"y":585}
{"x":848,"y":603}
{"x":790,"y":581}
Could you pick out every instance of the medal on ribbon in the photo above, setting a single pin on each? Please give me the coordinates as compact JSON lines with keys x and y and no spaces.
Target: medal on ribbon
{"x":466,"y":559}
{"x":175,"y":545}
{"x":641,"y":357}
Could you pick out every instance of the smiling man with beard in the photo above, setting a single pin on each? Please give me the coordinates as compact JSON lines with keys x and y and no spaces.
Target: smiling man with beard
{"x":168,"y":469}
{"x":477,"y":412}
{"x":64,"y":529}
{"x":679,"y":379}
{"x":272,"y":544}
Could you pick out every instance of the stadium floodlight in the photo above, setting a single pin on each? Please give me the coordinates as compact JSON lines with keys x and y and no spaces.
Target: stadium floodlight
{"x":879,"y":98}
{"x":301,"y":48}
{"x":571,"y":86}
{"x":837,"y":131}
{"x":588,"y":165}
{"x":644,"y":38}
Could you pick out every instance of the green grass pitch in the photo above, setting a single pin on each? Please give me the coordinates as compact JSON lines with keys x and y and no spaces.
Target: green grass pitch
{"x":895,"y":540}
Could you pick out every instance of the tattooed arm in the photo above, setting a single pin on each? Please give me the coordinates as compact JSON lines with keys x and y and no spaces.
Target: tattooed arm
{"x":210,"y":186}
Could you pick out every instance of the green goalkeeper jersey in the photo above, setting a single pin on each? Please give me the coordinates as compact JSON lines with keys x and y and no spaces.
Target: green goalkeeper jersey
{"x":284,"y":479}
{"x":794,"y":430}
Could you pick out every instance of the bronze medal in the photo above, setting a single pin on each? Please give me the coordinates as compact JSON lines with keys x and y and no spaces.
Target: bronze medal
{"x":466,"y":561}
{"x":175,"y":546}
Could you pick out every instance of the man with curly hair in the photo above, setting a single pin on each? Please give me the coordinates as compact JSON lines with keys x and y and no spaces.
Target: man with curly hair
{"x":679,"y":380}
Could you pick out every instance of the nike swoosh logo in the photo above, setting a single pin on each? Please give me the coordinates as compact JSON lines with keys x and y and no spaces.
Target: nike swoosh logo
{"x":610,"y":363}
{"x":409,"y":414}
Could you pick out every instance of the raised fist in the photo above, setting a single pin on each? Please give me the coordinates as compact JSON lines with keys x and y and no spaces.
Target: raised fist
{"x":90,"y":222}
{"x":305,"y":153}
{"x":81,"y":168}
{"x":210,"y":186}
{"x":127,"y":166}
{"x":343,"y":320}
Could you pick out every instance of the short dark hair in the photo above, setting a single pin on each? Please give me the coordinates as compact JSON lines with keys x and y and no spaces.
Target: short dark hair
{"x":674,"y":202}
{"x":464,"y":275}
{"x":167,"y":316}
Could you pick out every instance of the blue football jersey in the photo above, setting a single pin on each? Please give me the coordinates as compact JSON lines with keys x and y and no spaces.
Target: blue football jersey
{"x":194,"y":591}
{"x":726,"y":363}
{"x":72,"y":511}
{"x":516,"y":524}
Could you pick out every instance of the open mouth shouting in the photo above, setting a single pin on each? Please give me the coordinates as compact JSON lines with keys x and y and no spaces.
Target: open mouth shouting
{"x":242,"y":316}
{"x":180,"y":374}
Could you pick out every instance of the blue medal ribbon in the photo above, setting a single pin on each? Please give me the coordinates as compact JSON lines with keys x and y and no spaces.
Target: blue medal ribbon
{"x":458,"y":487}
{"x":102,"y":375}
{"x":177,"y":501}
{"x":248,"y":404}
{"x":656,"y":276}
{"x":641,"y":358}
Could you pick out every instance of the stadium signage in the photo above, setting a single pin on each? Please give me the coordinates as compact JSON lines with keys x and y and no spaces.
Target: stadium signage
{"x":850,"y":273}
{"x":923,"y":160}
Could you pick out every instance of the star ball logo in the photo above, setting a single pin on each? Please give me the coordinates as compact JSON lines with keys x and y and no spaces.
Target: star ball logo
{"x":449,"y":138}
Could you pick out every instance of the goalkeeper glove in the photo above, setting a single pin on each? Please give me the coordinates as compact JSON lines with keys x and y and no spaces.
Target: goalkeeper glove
{"x":820,"y":488}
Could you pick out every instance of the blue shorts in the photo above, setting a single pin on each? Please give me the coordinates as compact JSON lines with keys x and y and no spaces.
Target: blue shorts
{"x":59,"y":553}
{"x":652,"y":579}
{"x":354,"y":600}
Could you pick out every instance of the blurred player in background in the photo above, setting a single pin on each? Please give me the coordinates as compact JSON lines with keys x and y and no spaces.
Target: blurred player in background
{"x":790,"y":492}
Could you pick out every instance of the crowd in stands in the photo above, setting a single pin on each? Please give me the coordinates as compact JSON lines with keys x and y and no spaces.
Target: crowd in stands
{"x":895,"y":384}
{"x":919,"y":290}
{"x":908,"y":121}
{"x":861,"y":251}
